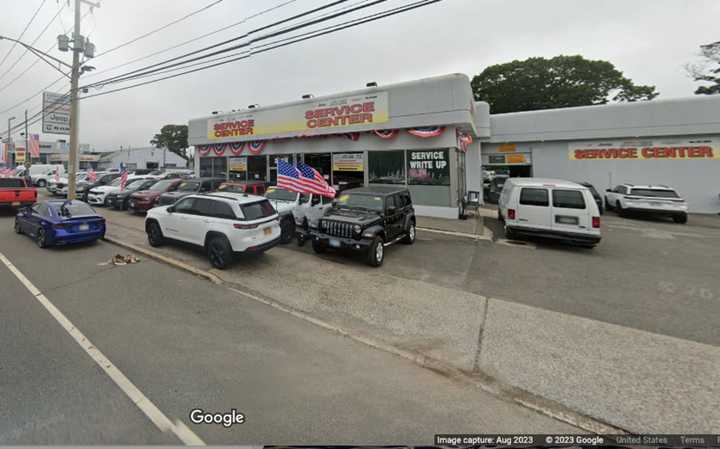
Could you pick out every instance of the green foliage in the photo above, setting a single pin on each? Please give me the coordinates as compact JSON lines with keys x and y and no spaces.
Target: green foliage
{"x":174,"y":138}
{"x":560,"y":82}
{"x":708,"y":71}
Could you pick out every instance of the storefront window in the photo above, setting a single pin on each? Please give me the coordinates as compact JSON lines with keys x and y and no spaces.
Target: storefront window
{"x":237,"y":169}
{"x":348,"y":170}
{"x":431,"y":167}
{"x":206,"y":164}
{"x":386,"y":167}
{"x":257,"y":168}
{"x":273,"y":164}
{"x":213,"y":167}
{"x":322,"y":162}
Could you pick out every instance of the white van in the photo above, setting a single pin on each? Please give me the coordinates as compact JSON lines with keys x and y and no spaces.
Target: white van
{"x":549,"y":208}
{"x":42,"y":174}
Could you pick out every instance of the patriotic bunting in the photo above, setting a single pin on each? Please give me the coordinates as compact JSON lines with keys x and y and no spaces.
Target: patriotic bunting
{"x":427,"y":132}
{"x":204,"y":150}
{"x":237,"y":148}
{"x":386,"y":134}
{"x":353,"y":136}
{"x":219,"y":149}
{"x":257,"y":147}
{"x":34,"y":145}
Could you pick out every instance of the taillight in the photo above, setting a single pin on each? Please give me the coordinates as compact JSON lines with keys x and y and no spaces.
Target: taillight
{"x":511,"y":214}
{"x":244,"y":226}
{"x":59,"y":226}
{"x":596,"y":222}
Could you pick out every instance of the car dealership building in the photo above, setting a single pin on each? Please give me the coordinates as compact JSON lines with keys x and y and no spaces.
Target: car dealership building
{"x":431,"y":136}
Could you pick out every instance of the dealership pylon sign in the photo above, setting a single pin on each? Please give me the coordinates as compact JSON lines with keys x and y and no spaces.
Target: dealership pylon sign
{"x":56,"y":113}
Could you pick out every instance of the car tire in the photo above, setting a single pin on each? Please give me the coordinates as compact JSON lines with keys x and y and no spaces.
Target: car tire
{"x":608,"y":206}
{"x":509,"y":234}
{"x":41,"y":238}
{"x":287,"y":230}
{"x":376,"y":253}
{"x":125,"y":205}
{"x":680,"y":219}
{"x":620,"y":209}
{"x":319,"y":247}
{"x":301,"y":239}
{"x":42,"y":183}
{"x":154,"y":234}
{"x":410,"y":235}
{"x":461,"y":212}
{"x":219,"y":252}
{"x":18,"y":228}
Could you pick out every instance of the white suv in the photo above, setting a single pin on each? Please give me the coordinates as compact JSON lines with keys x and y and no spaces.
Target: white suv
{"x":223,"y":223}
{"x":549,"y":208}
{"x":658,"y":200}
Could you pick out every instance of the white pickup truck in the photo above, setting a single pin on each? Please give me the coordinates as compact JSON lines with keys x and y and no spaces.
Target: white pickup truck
{"x":657,"y":200}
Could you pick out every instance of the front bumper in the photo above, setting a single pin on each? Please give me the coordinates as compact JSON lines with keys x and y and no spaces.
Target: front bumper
{"x":94,"y":198}
{"x":331,"y":241}
{"x":140,"y":206}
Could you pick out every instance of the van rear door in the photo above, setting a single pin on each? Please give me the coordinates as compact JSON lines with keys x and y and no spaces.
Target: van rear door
{"x":533,"y":208}
{"x":571,"y":211}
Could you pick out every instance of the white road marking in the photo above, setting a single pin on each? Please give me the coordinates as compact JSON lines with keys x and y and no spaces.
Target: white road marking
{"x":162,"y":422}
{"x":457,"y":234}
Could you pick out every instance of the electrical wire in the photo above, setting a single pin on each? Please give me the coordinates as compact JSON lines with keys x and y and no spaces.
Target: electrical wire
{"x":32,"y":19}
{"x":358,"y":22}
{"x":157,"y":30}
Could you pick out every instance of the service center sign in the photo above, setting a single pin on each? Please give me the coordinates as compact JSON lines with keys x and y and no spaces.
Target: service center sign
{"x":691,"y":149}
{"x":337,"y":115}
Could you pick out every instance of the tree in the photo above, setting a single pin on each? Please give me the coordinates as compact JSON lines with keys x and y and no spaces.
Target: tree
{"x":559,"y":82}
{"x":174,"y":138}
{"x":703,"y":72}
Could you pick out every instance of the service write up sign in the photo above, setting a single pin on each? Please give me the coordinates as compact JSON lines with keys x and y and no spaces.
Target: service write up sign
{"x":56,"y":113}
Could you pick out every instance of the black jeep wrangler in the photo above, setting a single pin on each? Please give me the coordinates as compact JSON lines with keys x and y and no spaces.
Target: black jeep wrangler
{"x":367,"y":219}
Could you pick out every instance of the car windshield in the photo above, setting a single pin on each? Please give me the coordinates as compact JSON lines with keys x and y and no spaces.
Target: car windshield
{"x":274,"y":193}
{"x":140,"y":184}
{"x":655,"y":193}
{"x":228,"y":187}
{"x":356,"y":200}
{"x":115,"y":183}
{"x":76,"y":209}
{"x":161,"y":186}
{"x":189,"y":186}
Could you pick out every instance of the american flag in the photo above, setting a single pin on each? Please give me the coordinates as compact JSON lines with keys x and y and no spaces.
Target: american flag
{"x":123,"y":180}
{"x":34,"y":145}
{"x":92,"y":176}
{"x":302,"y":179}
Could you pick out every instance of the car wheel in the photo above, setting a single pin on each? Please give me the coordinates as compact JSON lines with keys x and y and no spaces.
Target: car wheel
{"x":409,"y":238}
{"x":106,"y":202}
{"x":681,"y":219}
{"x":219,"y":252}
{"x":318,"y":247}
{"x":155,"y":235}
{"x":287,"y":230}
{"x":620,"y":210}
{"x":41,"y":238}
{"x":42,"y":183}
{"x":509,"y":234}
{"x":376,"y":253}
{"x":301,"y":239}
{"x":18,"y":228}
{"x":125,"y":205}
{"x":461,"y":212}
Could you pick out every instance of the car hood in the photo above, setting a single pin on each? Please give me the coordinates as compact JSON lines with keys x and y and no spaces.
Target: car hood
{"x":353,"y":216}
{"x":146,"y":194}
{"x":106,"y":189}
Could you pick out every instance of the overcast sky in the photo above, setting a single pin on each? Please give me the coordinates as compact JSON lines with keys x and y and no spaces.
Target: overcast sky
{"x":649,"y":41}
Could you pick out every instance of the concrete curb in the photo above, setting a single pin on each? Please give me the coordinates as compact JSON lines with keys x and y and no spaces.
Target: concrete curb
{"x":480,"y":380}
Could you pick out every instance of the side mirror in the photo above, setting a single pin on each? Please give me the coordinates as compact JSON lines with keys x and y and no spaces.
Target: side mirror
{"x":608,"y":190}
{"x":171,"y":209}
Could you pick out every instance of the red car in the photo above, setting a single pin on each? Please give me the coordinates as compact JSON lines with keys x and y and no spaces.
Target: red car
{"x":252,"y":188}
{"x":147,"y":199}
{"x":14,"y":192}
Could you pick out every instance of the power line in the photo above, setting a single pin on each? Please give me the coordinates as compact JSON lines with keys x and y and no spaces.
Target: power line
{"x":337,"y":2}
{"x":44,"y":30}
{"x":32,"y":19}
{"x":355,"y":23}
{"x":189,"y":41}
{"x":150,"y":33}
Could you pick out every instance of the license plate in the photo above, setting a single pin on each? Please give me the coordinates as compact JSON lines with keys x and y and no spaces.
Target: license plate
{"x":267,"y":231}
{"x":334,"y":243}
{"x":84,"y":227}
{"x":15,"y":203}
{"x":566,"y":220}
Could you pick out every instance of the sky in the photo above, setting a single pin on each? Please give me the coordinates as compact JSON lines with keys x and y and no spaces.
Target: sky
{"x":649,"y":41}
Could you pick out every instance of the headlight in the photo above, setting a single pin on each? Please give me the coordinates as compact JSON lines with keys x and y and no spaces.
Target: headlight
{"x":357,"y":229}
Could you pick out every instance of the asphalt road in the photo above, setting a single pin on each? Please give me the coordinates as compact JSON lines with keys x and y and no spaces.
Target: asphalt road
{"x":186,"y":343}
{"x":646,"y":274}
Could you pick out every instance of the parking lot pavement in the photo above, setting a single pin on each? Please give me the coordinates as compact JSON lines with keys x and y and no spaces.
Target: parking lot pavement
{"x":187,"y":343}
{"x":650,"y":275}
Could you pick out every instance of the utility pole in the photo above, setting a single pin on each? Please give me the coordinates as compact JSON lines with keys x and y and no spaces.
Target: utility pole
{"x":78,"y":46}
{"x":10,"y":149}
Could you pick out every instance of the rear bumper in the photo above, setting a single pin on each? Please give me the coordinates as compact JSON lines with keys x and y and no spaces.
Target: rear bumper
{"x":651,"y":211}
{"x":557,"y":235}
{"x":70,"y":239}
{"x":16,"y":203}
{"x":261,"y":247}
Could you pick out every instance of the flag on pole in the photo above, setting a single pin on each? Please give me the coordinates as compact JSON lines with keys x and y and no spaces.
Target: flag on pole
{"x":57,"y":175}
{"x":314,"y":181}
{"x":92,"y":176}
{"x":34,"y":145}
{"x":123,"y":180}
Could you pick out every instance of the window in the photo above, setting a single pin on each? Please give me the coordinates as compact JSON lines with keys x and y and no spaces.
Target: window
{"x":255,"y":211}
{"x":273,"y":165}
{"x":620,"y":189}
{"x":257,"y":168}
{"x":12,"y":183}
{"x":41,"y":209}
{"x":534,"y":197}
{"x":206,"y":167}
{"x":303,"y":198}
{"x":315,"y":200}
{"x":390,"y":202}
{"x":386,"y":167}
{"x":213,"y":167}
{"x":655,"y":193}
{"x":569,"y":199}
{"x":428,"y":167}
{"x":213,"y":208}
{"x":186,"y":206}
{"x":237,"y":169}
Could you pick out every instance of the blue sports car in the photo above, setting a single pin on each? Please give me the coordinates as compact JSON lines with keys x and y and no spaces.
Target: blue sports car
{"x":60,"y":222}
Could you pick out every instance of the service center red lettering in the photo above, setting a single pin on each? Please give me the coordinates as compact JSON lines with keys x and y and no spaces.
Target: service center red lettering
{"x":647,"y":153}
{"x":340,"y":115}
{"x":607,"y":153}
{"x":234,"y":129}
